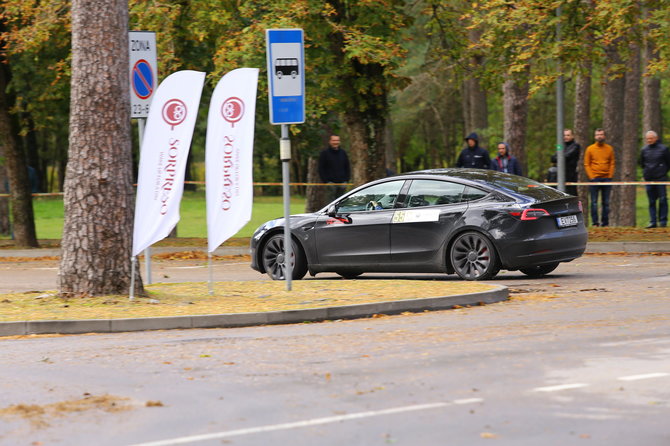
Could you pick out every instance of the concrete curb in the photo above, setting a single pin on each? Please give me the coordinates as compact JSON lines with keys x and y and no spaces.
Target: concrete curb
{"x":628,"y":247}
{"x":497,"y":294}
{"x":592,"y":247}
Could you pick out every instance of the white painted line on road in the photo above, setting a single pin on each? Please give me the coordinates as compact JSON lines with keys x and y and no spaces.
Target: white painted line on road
{"x":298,"y":424}
{"x":645,"y":376}
{"x":468,"y":401}
{"x":560,"y":387}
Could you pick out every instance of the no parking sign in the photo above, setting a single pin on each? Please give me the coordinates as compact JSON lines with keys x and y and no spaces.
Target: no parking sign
{"x":143,"y":71}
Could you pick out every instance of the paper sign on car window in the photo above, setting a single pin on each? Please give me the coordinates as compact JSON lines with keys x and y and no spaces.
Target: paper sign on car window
{"x":416,"y":215}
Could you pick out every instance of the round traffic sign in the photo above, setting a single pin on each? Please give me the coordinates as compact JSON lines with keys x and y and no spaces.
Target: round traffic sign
{"x":143,"y":79}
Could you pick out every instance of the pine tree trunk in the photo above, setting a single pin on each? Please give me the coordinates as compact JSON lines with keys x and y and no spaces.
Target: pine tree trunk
{"x":582,"y":124}
{"x":515,"y":109}
{"x":613,"y":106}
{"x":651,"y":94}
{"x":23,"y":219}
{"x":315,"y":196}
{"x":97,"y":234}
{"x":4,"y":201}
{"x":476,"y":108}
{"x":631,"y":138}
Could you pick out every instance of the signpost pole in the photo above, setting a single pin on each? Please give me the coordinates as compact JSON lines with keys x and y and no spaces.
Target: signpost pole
{"x":285,"y":155}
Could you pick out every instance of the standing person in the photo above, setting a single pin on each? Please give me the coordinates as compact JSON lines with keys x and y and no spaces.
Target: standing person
{"x":655,"y":162}
{"x":473,"y":155}
{"x":505,"y":162}
{"x":571,"y":151}
{"x":599,"y":164}
{"x":334,"y":167}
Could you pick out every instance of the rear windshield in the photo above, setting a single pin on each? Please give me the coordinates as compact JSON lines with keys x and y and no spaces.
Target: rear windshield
{"x":527,"y":187}
{"x":510,"y":183}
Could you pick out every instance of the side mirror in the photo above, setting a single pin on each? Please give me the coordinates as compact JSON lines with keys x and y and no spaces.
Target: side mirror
{"x":332,"y":210}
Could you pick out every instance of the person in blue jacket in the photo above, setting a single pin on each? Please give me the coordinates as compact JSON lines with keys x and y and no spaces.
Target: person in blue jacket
{"x":505,"y":162}
{"x":473,"y":155}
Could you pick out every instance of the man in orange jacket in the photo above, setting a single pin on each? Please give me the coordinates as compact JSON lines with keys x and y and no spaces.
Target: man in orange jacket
{"x":599,"y":164}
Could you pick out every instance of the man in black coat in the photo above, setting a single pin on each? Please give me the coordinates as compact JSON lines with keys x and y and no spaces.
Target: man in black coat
{"x":334,"y":167}
{"x":655,"y":162}
{"x":474,"y":156}
{"x":571,"y":152}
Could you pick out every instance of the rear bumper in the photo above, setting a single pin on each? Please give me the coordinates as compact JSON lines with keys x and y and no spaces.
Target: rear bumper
{"x":557,"y":246}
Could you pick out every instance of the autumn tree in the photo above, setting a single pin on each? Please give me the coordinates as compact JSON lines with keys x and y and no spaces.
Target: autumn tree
{"x":97,"y":233}
{"x":14,"y":159}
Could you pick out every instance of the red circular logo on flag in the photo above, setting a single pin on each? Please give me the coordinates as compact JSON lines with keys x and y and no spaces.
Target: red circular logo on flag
{"x":174,"y":112}
{"x":232,"y":110}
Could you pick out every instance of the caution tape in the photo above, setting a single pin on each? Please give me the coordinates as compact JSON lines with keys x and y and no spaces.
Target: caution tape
{"x":595,"y":183}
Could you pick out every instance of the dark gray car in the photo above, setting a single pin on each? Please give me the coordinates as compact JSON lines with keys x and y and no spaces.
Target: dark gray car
{"x":466,"y":221}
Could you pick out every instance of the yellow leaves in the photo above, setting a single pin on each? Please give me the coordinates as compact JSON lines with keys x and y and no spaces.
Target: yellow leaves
{"x":229,"y":297}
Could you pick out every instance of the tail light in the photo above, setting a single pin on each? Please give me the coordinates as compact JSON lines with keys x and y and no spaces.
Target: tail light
{"x":533,"y":214}
{"x":581,"y":207}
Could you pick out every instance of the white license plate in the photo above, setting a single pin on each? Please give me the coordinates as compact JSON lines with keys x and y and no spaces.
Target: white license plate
{"x":568,"y":220}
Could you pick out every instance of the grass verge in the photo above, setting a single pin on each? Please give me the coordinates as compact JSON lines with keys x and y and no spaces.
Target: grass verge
{"x":187,"y":299}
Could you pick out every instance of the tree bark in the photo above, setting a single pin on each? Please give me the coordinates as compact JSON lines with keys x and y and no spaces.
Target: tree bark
{"x":4,"y":201}
{"x":23,"y":218}
{"x":613,"y":106}
{"x":315,"y":196}
{"x":631,"y":137}
{"x":651,"y":94}
{"x":582,"y":129}
{"x":475,"y":108}
{"x":97,"y":234}
{"x":515,"y":110}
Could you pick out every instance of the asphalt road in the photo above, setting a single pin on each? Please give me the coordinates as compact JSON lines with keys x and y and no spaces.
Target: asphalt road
{"x":579,"y":357}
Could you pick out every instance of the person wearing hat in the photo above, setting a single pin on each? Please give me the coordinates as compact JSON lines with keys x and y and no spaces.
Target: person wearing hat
{"x":474,"y":156}
{"x":505,"y":162}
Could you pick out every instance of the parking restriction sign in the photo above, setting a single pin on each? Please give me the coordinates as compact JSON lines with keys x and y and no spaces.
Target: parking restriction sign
{"x":143,"y":71}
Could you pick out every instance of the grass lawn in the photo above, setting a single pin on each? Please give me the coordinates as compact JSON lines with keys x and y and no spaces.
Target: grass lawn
{"x":193,"y":222}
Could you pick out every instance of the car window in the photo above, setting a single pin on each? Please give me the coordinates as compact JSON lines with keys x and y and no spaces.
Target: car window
{"x":379,"y":196}
{"x":433,"y":192}
{"x":472,"y":194}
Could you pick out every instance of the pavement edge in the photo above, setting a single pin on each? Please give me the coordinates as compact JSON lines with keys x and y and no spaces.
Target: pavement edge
{"x":499,"y":293}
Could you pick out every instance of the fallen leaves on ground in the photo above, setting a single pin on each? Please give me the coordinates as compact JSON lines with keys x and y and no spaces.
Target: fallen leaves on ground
{"x":37,"y":414}
{"x":184,"y":299}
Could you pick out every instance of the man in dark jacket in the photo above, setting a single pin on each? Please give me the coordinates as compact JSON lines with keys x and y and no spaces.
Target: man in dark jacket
{"x":655,"y":162}
{"x":334,"y":167}
{"x":505,"y":162}
{"x":571,"y":152}
{"x":473,"y":155}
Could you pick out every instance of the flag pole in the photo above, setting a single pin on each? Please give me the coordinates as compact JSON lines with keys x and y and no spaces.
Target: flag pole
{"x":133,"y":261}
{"x":147,"y":251}
{"x":211,"y":274}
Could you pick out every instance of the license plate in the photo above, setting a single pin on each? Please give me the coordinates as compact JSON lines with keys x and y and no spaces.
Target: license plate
{"x":568,"y":220}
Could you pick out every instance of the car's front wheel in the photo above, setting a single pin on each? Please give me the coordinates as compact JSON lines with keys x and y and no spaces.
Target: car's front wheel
{"x":539,"y":270}
{"x":274,"y":260}
{"x":473,"y":257}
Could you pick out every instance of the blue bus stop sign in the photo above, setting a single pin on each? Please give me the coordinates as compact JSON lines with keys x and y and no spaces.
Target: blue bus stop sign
{"x":286,"y":75}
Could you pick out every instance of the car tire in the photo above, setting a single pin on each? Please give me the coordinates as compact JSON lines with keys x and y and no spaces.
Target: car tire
{"x":348,"y":274}
{"x":473,"y":257}
{"x":272,"y":258}
{"x":539,"y":270}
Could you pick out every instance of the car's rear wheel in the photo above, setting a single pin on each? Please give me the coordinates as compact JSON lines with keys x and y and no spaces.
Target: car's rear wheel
{"x":473,"y":257}
{"x":274,"y":261}
{"x":539,"y":270}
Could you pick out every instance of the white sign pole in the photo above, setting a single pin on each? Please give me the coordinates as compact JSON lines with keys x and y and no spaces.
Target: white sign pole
{"x":285,"y":156}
